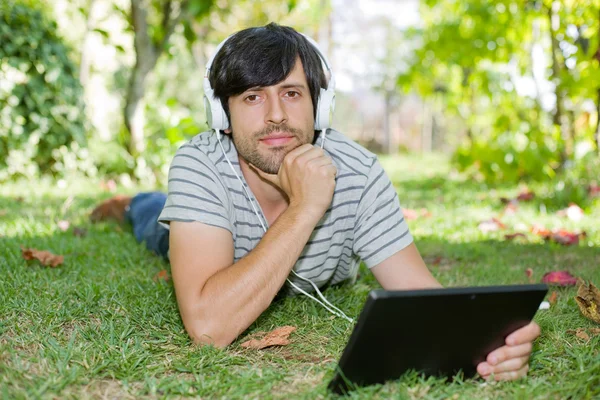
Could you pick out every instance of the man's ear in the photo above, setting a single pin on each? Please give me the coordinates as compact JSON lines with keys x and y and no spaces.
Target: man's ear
{"x":228,"y":130}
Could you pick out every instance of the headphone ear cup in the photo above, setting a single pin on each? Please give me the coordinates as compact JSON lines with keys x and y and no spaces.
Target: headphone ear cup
{"x":215,"y":114}
{"x":325,"y":108}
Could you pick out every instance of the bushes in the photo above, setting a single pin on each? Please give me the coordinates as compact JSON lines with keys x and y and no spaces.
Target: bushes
{"x":41,"y":99}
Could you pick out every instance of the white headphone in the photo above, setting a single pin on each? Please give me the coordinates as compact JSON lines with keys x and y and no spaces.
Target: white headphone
{"x":217,"y":118}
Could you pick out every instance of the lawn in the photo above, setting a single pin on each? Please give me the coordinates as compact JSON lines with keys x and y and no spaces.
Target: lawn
{"x":100,"y":326}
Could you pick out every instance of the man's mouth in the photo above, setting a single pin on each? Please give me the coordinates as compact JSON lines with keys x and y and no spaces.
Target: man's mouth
{"x":277,"y":139}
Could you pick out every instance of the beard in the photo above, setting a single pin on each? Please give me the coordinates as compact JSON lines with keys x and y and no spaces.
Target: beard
{"x":269,"y":161}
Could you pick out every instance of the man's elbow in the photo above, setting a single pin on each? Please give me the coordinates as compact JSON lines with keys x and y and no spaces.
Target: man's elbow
{"x":205,"y":335}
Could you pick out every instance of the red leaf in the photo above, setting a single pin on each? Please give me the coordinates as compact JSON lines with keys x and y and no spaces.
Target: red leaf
{"x":552,"y":298}
{"x":560,"y":278}
{"x":45,"y":257}
{"x":526,"y":195}
{"x":162,"y":274}
{"x":565,"y":237}
{"x":541,"y":231}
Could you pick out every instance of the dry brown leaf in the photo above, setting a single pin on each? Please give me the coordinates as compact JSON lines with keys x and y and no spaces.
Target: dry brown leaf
{"x":529,"y":273}
{"x":512,"y":236}
{"x":79,"y":232}
{"x":45,"y":257}
{"x":552,"y":298}
{"x":277,"y":337}
{"x":588,"y":300}
{"x":580,"y":333}
{"x":162,"y":274}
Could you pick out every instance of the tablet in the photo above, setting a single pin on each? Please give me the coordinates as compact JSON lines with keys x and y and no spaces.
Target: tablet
{"x":434,"y":331}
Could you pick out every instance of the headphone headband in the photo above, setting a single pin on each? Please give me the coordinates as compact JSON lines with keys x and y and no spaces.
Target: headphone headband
{"x":217,"y":118}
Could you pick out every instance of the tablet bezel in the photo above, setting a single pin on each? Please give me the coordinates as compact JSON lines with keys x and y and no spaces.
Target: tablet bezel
{"x":519,"y":305}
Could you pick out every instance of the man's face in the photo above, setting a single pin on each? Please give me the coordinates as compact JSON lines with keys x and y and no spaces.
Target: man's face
{"x":269,"y":122}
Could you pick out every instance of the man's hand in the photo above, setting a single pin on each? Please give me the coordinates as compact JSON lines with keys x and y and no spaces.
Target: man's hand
{"x":307,"y":176}
{"x":510,"y":361}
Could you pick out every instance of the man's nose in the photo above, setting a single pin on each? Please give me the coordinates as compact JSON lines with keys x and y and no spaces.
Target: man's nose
{"x":276,"y":113}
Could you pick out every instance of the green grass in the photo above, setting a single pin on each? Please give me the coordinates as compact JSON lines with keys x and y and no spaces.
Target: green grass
{"x":99,"y":326}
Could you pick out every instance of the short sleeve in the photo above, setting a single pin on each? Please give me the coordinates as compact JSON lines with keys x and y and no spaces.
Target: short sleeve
{"x":196,"y":191}
{"x":380,"y":229}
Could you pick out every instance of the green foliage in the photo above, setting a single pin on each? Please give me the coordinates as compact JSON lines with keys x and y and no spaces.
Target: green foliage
{"x":476,"y":56}
{"x":41,"y":99}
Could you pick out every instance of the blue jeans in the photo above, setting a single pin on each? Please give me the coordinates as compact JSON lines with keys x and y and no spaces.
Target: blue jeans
{"x":143,"y":213}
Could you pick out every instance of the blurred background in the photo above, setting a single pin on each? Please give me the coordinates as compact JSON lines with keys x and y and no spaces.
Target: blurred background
{"x":508,"y":90}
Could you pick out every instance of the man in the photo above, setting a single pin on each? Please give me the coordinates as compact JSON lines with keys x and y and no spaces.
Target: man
{"x":325,"y":209}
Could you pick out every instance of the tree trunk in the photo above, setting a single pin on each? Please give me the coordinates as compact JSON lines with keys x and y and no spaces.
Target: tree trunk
{"x":558,"y":117}
{"x":147,"y":53}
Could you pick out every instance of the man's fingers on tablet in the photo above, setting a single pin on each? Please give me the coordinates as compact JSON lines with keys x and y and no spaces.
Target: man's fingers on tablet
{"x":509,"y":375}
{"x":528,"y":333}
{"x":514,"y":364}
{"x":507,"y":352}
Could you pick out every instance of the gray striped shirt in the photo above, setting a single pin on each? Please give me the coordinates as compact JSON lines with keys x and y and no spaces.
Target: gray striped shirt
{"x":364,"y":222}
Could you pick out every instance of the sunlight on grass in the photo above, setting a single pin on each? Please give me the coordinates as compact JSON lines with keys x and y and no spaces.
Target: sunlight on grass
{"x":100,"y":326}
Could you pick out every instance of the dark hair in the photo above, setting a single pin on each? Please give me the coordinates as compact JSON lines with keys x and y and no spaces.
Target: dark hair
{"x":264,"y":56}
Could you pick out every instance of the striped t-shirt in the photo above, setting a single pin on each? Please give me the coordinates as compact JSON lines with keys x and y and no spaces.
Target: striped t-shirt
{"x":364,"y":222}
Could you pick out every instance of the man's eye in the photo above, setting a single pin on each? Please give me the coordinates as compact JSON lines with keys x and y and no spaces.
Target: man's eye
{"x":292,"y":94}
{"x":252,"y":98}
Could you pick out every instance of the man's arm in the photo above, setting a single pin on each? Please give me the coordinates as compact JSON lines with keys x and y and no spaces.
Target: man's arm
{"x":406,"y":270}
{"x":219,"y":299}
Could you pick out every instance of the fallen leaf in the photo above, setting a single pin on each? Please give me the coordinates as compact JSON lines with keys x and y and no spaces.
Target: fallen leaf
{"x":511,"y":236}
{"x":540,"y":230}
{"x":437,"y":260}
{"x":559,"y":278}
{"x":79,"y":232}
{"x":491,"y":225}
{"x":588,"y":300}
{"x":580,"y":333}
{"x":162,"y":274}
{"x":552,"y":298}
{"x":565,"y":237}
{"x":573,"y":212}
{"x":595,"y":331}
{"x":277,"y":337}
{"x":526,"y":195}
{"x":45,"y":257}
{"x":560,"y":236}
{"x":63,"y":225}
{"x":529,"y":274}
